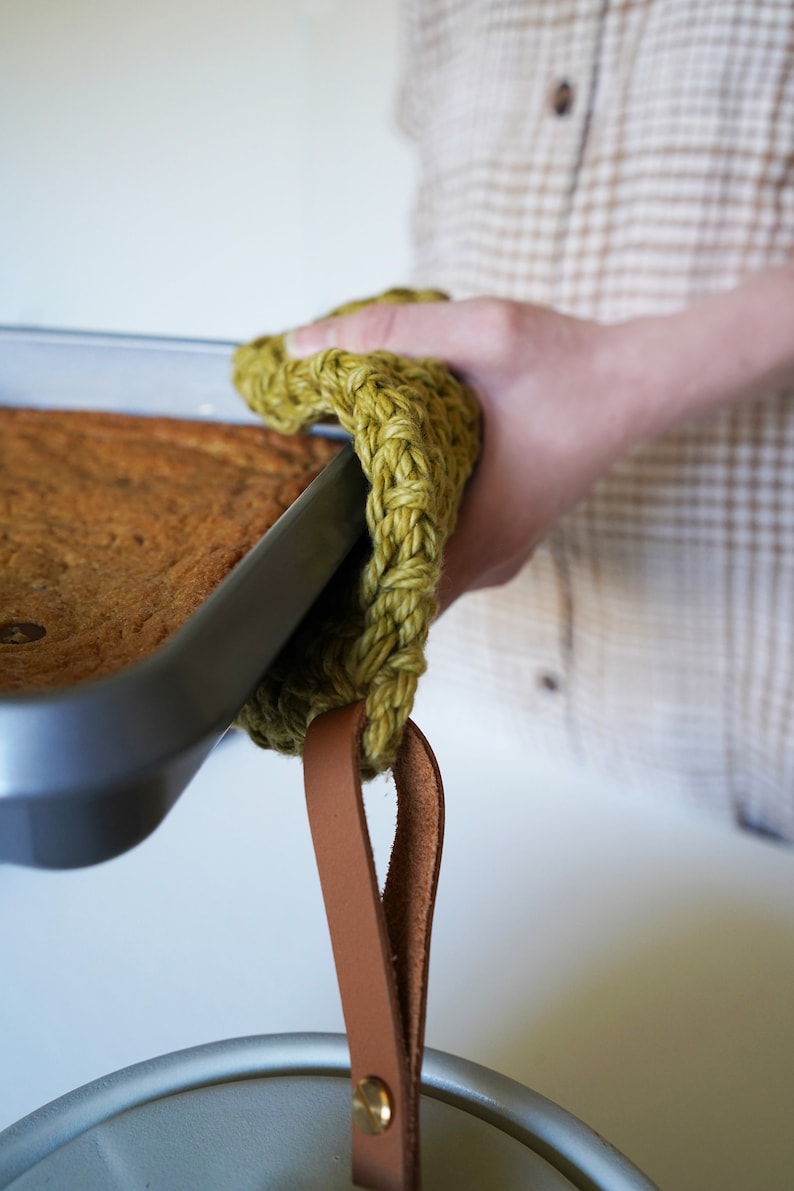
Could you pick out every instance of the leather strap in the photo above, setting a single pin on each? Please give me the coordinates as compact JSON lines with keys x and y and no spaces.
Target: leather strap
{"x":381,"y":948}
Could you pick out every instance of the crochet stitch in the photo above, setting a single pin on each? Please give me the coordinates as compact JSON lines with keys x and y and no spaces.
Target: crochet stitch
{"x":416,"y":430}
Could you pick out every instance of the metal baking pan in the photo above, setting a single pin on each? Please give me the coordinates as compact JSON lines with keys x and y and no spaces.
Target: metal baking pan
{"x":88,"y":772}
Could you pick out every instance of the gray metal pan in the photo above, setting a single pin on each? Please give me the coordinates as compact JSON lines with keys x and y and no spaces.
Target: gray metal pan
{"x":89,"y":772}
{"x":274,"y":1111}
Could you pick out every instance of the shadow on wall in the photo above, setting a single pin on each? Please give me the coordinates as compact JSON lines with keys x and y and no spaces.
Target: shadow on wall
{"x":678,"y":1045}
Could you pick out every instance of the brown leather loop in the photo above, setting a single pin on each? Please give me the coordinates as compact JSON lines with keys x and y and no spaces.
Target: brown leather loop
{"x":381,"y":949}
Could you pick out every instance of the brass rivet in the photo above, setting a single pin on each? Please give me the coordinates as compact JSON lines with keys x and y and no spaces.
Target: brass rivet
{"x":372,"y":1109}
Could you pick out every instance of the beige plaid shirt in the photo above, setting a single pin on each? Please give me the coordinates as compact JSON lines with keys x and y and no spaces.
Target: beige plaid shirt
{"x":612,"y":159}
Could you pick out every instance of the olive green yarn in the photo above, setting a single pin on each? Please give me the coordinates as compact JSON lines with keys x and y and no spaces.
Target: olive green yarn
{"x":416,"y":431}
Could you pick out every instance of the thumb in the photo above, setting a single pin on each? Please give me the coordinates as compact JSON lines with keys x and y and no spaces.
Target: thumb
{"x":412,"y":329}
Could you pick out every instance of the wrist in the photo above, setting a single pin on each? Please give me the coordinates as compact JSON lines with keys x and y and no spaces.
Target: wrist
{"x":632,"y":370}
{"x":727,"y":348}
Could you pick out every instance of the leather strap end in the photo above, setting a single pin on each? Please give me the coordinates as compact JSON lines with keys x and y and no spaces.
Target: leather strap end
{"x":381,"y":948}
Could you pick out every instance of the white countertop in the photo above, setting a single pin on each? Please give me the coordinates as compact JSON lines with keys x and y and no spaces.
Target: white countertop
{"x":635,"y":964}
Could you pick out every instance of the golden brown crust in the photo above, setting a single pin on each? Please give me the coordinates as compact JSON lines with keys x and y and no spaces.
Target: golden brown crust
{"x":114,"y":528}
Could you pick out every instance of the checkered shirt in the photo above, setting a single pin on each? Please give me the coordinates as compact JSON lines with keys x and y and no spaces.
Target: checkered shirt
{"x":614,"y":158}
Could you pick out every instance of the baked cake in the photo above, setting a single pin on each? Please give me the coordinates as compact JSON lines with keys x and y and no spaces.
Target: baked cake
{"x":115,"y":528}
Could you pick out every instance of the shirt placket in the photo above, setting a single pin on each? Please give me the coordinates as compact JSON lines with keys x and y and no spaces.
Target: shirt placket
{"x":572,"y":95}
{"x":572,"y":90}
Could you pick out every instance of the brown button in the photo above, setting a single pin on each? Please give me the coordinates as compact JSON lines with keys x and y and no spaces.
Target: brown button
{"x":549,"y":682}
{"x":562,"y":98}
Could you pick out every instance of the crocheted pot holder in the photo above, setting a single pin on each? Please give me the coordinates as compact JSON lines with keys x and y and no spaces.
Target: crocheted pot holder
{"x":416,"y":430}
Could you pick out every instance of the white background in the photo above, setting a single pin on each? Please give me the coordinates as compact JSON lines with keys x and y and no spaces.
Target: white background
{"x":221,"y":170}
{"x":196,"y":168}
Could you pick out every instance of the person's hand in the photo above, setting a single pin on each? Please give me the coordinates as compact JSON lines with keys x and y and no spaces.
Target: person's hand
{"x":550,"y":426}
{"x":563,"y":399}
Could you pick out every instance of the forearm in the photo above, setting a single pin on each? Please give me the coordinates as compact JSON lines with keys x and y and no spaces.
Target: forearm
{"x":723,"y":350}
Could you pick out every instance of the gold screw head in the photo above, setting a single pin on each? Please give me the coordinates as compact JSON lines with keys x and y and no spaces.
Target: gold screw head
{"x":372,"y":1106}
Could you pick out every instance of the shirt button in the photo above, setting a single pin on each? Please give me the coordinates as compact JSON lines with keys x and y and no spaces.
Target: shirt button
{"x":549,"y":681}
{"x":561,"y":98}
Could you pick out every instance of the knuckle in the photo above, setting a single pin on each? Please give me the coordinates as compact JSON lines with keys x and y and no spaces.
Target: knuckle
{"x":498,"y":326}
{"x":374,"y":327}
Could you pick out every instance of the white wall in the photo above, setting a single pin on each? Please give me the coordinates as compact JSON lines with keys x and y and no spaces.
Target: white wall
{"x":190,"y":167}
